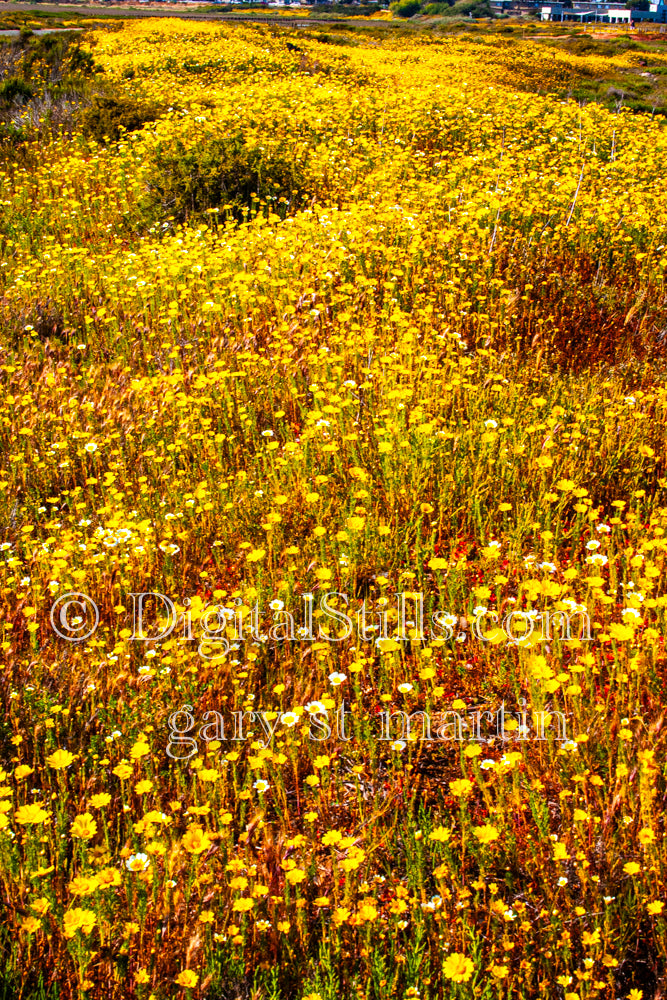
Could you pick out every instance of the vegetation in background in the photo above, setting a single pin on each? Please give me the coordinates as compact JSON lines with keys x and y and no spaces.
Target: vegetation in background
{"x":369,"y":318}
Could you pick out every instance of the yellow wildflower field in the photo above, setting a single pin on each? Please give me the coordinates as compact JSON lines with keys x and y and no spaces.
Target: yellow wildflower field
{"x":333,"y":526}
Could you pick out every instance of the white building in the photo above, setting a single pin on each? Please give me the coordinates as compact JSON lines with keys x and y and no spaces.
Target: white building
{"x":552,"y":12}
{"x":588,"y":13}
{"x":656,"y":12}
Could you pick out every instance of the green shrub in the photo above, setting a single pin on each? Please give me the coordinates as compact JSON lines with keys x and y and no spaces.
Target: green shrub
{"x":226,"y":173}
{"x":15,"y":89}
{"x":405,"y":8}
{"x":107,"y":118}
{"x":435,"y":9}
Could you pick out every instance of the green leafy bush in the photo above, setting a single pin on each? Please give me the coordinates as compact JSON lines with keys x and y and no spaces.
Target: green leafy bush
{"x":227,"y":173}
{"x":15,"y":89}
{"x":107,"y":118}
{"x":405,"y":8}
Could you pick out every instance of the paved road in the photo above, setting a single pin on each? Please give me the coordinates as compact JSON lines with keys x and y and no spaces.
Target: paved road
{"x":9,"y":32}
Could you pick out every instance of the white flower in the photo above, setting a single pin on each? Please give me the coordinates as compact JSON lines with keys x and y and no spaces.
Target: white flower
{"x":597,"y":560}
{"x":490,"y":424}
{"x":479,"y":610}
{"x":90,"y":447}
{"x":315,"y":707}
{"x":562,"y":881}
{"x":267,"y":434}
{"x":449,"y":619}
{"x":630,"y":612}
{"x":604,"y":528}
{"x":404,"y":688}
{"x":593,"y":544}
{"x":169,"y":548}
{"x":337,"y":678}
{"x":137,"y":863}
{"x":277,"y":605}
{"x":261,"y":786}
{"x":289,"y":719}
{"x":487,"y":764}
{"x":549,"y":566}
{"x":398,"y":745}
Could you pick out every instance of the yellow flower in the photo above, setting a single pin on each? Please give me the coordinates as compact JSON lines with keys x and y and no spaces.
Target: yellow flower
{"x":398,"y":906}
{"x":141,"y":977}
{"x":82,"y":885}
{"x":108,"y":877}
{"x":22,"y":771}
{"x":485,"y":834}
{"x":122,"y":771}
{"x":78,"y":919}
{"x":499,"y":971}
{"x":207,"y":916}
{"x":187,"y":978}
{"x":195,"y":840}
{"x":655,"y":907}
{"x":295,"y":876}
{"x":631,"y":868}
{"x":60,"y":759}
{"x":84,"y":827}
{"x":646,"y":836}
{"x":460,"y":788}
{"x":458,"y":968}
{"x":30,"y":814}
{"x":139,"y":749}
{"x":620,"y":632}
{"x":441,"y":833}
{"x":242,"y":905}
{"x":367,"y":912}
{"x":31,"y":924}
{"x":100,"y":800}
{"x":437,"y":563}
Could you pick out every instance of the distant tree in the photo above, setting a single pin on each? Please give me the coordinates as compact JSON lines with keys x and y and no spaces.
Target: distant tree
{"x":405,"y":8}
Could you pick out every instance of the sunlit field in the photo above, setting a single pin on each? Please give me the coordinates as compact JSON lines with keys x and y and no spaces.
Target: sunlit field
{"x":360,"y":315}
